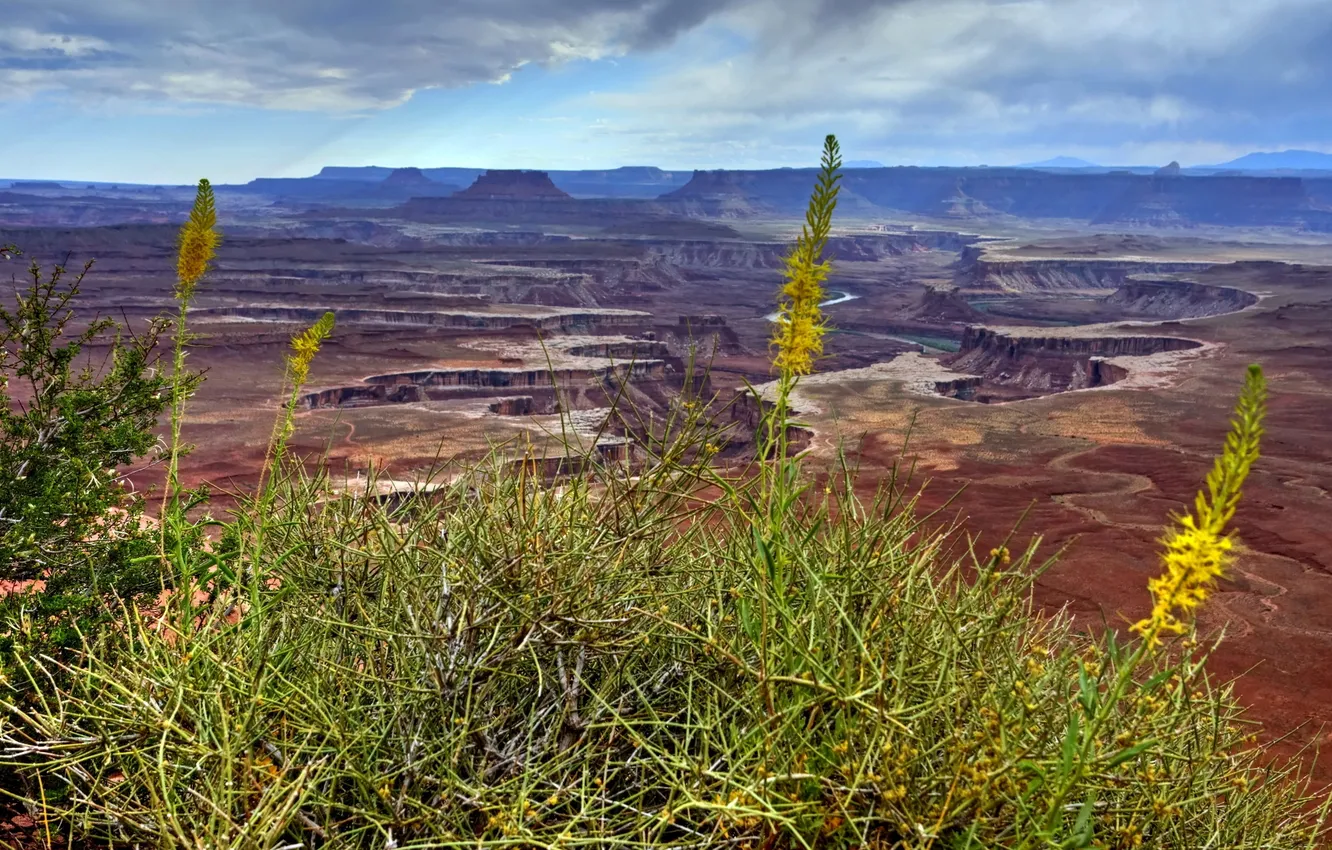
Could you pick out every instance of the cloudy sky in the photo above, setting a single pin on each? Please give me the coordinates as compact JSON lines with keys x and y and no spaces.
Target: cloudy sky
{"x":170,"y":90}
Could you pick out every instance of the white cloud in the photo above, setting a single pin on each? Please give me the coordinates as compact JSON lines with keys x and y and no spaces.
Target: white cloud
{"x":898,"y":79}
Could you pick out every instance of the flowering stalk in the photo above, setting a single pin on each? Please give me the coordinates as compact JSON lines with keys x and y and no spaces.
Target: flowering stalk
{"x":798,"y":340}
{"x":1198,"y":551}
{"x":197,"y":247}
{"x":800,"y":324}
{"x":304,"y":347}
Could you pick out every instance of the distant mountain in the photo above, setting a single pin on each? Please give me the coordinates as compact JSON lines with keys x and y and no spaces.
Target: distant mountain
{"x":408,"y":178}
{"x":863,"y":163}
{"x":1060,"y":162}
{"x":368,"y":173}
{"x":1294,"y":160}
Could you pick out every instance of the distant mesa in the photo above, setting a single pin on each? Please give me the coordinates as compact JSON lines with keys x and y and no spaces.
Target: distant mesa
{"x":1060,"y":162}
{"x":518,"y":185}
{"x":35,"y":184}
{"x":408,"y":178}
{"x":863,"y":163}
{"x":366,"y":173}
{"x":1171,"y":170}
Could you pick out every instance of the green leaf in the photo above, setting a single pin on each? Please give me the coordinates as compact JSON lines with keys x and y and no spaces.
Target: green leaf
{"x":1089,"y":691}
{"x":1082,"y":827}
{"x":1130,"y":752}
{"x":1070,"y":745}
{"x":1155,"y":681}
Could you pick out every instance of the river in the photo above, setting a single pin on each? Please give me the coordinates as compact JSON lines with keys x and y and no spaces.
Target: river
{"x":838,"y":298}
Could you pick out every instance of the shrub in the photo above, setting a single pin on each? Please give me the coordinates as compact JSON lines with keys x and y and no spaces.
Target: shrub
{"x":78,"y":401}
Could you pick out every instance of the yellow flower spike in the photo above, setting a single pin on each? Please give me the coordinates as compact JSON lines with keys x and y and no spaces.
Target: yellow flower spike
{"x":1197,"y":550}
{"x":198,"y":242}
{"x":304,"y":347}
{"x":800,"y":325}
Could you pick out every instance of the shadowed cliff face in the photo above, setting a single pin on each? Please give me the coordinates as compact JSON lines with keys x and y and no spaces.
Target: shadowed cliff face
{"x":443,"y":384}
{"x":1177,"y":299}
{"x":981,"y":273}
{"x":1012,"y":367}
{"x":1168,"y":201}
{"x":569,"y":321}
{"x":513,"y":184}
{"x":736,"y":254}
{"x":1117,"y":197}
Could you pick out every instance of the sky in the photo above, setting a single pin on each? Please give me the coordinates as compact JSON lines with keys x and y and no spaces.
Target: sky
{"x":167,"y":91}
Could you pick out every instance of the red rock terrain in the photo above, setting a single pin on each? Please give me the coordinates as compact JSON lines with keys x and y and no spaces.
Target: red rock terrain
{"x":448,"y":333}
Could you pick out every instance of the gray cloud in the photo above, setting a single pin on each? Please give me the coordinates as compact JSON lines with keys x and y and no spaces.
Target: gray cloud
{"x":897,"y":78}
{"x":923,"y":77}
{"x":315,"y":54}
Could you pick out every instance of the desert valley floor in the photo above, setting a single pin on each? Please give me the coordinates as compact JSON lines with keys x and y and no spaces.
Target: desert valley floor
{"x":1058,"y":381}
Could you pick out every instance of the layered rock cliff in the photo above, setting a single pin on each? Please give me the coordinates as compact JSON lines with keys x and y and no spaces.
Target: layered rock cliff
{"x":979,"y":271}
{"x":1177,"y":299}
{"x":568,"y":320}
{"x":506,"y":184}
{"x":1165,"y":200}
{"x":1018,"y":366}
{"x":444,"y":384}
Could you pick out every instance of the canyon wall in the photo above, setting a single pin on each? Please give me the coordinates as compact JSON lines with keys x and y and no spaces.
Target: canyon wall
{"x":1005,"y":343}
{"x":1114,"y":197}
{"x":444,"y":384}
{"x":980,"y":272}
{"x":566,"y":321}
{"x":1014,"y":366}
{"x":1177,"y":299}
{"x":738,"y":254}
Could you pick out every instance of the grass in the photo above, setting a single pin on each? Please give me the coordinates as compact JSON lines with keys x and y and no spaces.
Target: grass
{"x":656,"y":656}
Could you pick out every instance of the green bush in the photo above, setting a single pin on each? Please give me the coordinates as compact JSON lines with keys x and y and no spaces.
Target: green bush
{"x":79,"y":397}
{"x":520,"y":665}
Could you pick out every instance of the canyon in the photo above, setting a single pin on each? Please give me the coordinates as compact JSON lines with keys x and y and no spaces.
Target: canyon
{"x":1054,"y":354}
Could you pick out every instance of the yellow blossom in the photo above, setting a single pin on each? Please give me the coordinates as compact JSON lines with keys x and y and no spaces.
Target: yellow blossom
{"x":304,"y":347}
{"x":198,"y":242}
{"x":800,"y":325}
{"x":1198,"y":551}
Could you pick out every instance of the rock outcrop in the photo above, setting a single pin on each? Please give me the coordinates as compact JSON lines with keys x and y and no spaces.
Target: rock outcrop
{"x":1018,"y":366}
{"x":567,"y":320}
{"x":408,"y":178}
{"x":521,"y":405}
{"x":942,"y":307}
{"x":513,"y":185}
{"x":446,"y":384}
{"x":982,"y":272}
{"x":960,"y":388}
{"x":746,"y":254}
{"x":1177,"y":299}
{"x":1176,"y":201}
{"x":989,"y":342}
